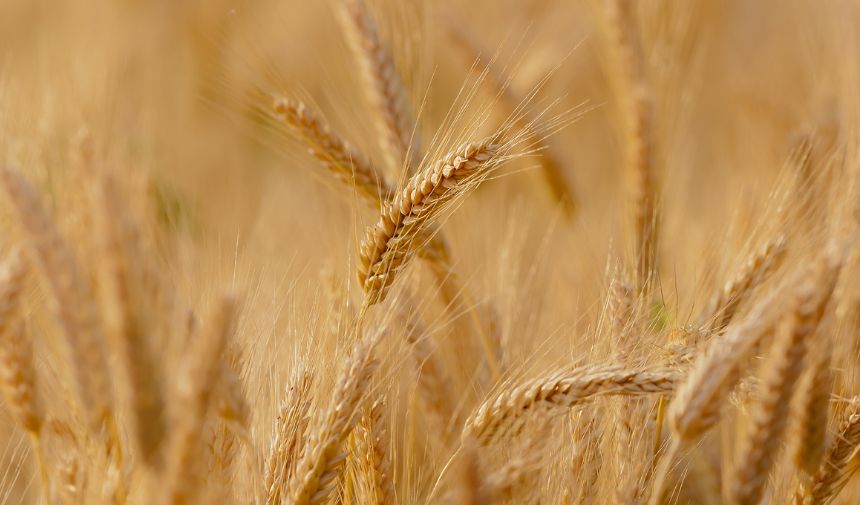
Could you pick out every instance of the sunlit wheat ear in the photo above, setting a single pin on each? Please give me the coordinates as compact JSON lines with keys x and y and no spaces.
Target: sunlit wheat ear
{"x":128,"y":312}
{"x":839,"y":461}
{"x":195,"y":391}
{"x":374,"y":458}
{"x":69,"y":298}
{"x":726,"y":303}
{"x":770,"y":418}
{"x":514,"y":105}
{"x":810,"y":409}
{"x":288,"y":435}
{"x":316,"y":473}
{"x":625,"y":34}
{"x":502,"y":414}
{"x":383,"y":87}
{"x":343,"y":160}
{"x":388,"y":245}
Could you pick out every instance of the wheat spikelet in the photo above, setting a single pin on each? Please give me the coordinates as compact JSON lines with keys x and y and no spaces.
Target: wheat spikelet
{"x":387,"y":245}
{"x":287,"y":435}
{"x":343,"y":160}
{"x":382,"y":85}
{"x":127,"y":314}
{"x":771,"y":417}
{"x":69,"y":299}
{"x":726,"y":303}
{"x":374,"y":457}
{"x":837,"y":466}
{"x":316,"y":473}
{"x":810,"y":411}
{"x":502,"y":414}
{"x":194,"y":396}
{"x":581,"y":487}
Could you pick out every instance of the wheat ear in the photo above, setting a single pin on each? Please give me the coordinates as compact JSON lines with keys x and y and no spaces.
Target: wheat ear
{"x":837,"y":466}
{"x":771,"y":417}
{"x":127,"y":320}
{"x":387,"y":245}
{"x":375,"y":457}
{"x":17,"y":373}
{"x":810,"y":410}
{"x":513,"y":104}
{"x":581,"y":487}
{"x":70,"y":299}
{"x":382,"y":83}
{"x":726,"y":303}
{"x":290,"y":426}
{"x":344,"y":161}
{"x":502,"y":414}
{"x":640,"y":136}
{"x":316,"y":473}
{"x":196,"y":389}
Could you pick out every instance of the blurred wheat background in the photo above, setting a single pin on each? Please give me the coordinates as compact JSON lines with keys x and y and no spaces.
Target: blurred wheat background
{"x":607,"y":251}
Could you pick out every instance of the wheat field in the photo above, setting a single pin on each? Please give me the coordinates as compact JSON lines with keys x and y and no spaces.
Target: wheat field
{"x":402,"y":252}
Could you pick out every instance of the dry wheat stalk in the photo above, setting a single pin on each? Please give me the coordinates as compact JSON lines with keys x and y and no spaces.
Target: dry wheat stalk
{"x":194,"y":396}
{"x":316,"y":473}
{"x":388,"y":244}
{"x":287,"y":435}
{"x":127,"y":312}
{"x":70,"y":299}
{"x":374,"y":458}
{"x":383,"y":86}
{"x":501,"y":415}
{"x":771,"y":417}
{"x":343,"y":160}
{"x":837,"y":466}
{"x":726,"y":303}
{"x":810,"y":410}
{"x":640,"y":135}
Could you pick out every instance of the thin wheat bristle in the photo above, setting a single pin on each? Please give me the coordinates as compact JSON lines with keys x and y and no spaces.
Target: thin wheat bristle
{"x":388,"y":244}
{"x":70,"y":299}
{"x":502,"y":414}
{"x":384,"y":88}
